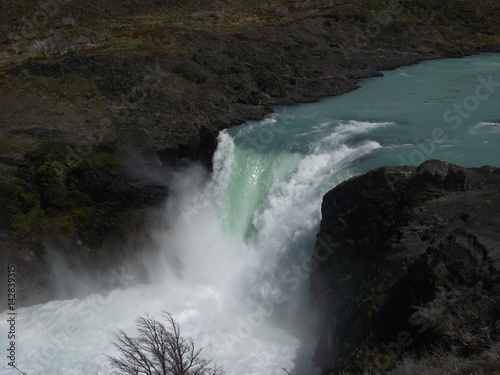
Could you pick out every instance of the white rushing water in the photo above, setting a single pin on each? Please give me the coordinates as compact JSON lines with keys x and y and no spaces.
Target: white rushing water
{"x":224,"y":265}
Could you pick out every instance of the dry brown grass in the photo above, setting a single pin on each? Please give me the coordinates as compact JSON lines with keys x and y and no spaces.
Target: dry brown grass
{"x":488,"y":363}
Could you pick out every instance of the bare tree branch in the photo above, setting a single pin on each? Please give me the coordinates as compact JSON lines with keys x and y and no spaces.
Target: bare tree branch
{"x":289,"y":371}
{"x":160,"y":349}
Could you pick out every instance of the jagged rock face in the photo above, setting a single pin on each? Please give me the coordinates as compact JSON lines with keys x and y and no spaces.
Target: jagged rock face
{"x":404,"y":237}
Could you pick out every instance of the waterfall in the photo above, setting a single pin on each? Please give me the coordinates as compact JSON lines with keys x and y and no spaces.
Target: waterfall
{"x":231,"y":257}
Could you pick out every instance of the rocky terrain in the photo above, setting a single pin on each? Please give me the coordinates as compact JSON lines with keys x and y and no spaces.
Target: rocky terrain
{"x":416,"y":269}
{"x":95,"y":95}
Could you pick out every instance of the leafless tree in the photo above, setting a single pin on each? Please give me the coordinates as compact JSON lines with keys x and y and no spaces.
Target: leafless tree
{"x":159,"y":349}
{"x":289,"y":371}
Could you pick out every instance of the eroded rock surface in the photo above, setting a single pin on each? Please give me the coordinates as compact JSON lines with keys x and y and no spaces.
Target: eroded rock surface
{"x":407,"y":240}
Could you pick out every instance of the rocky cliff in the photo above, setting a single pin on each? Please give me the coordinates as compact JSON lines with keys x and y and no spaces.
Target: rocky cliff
{"x":416,"y":266}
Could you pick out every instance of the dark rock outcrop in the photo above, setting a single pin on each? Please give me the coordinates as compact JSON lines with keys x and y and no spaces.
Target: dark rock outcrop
{"x":408,"y":239}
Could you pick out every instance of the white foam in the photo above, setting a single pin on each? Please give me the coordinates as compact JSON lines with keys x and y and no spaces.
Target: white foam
{"x":203,"y":274}
{"x":344,"y":133}
{"x":486,"y":128}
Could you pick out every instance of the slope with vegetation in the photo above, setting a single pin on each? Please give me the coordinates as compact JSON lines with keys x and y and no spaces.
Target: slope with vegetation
{"x":89,"y":88}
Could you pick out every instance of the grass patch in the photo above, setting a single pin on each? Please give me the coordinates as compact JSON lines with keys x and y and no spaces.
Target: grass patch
{"x":189,"y":72}
{"x":7,"y":147}
{"x":10,"y":198}
{"x":48,"y":152}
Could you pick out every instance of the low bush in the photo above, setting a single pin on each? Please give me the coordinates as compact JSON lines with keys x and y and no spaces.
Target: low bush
{"x":189,"y":72}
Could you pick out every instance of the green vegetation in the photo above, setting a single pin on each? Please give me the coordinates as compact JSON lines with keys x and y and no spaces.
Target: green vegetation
{"x":9,"y":198}
{"x":374,"y":300}
{"x":56,"y":205}
{"x":378,"y":4}
{"x":189,"y":72}
{"x":268,"y":82}
{"x":55,"y":151}
{"x":52,"y":182}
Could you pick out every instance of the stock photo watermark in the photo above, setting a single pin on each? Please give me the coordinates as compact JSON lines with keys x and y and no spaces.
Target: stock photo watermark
{"x":393,"y":350}
{"x":487,"y":86}
{"x":31,"y":25}
{"x":11,"y":315}
{"x":293,"y":277}
{"x":454,"y":116}
{"x":131,"y":100}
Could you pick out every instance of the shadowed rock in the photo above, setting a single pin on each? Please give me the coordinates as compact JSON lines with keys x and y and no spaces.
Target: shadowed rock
{"x":404,"y":237}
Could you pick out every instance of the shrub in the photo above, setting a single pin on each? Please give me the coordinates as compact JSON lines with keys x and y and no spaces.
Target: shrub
{"x":48,"y":151}
{"x":268,"y":82}
{"x":54,"y":44}
{"x":52,"y":180}
{"x":466,"y":319}
{"x":69,"y":21}
{"x":189,"y":72}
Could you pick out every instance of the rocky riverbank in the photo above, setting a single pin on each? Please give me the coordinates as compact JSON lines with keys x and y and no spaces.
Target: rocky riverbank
{"x":416,"y":268}
{"x":97,"y":101}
